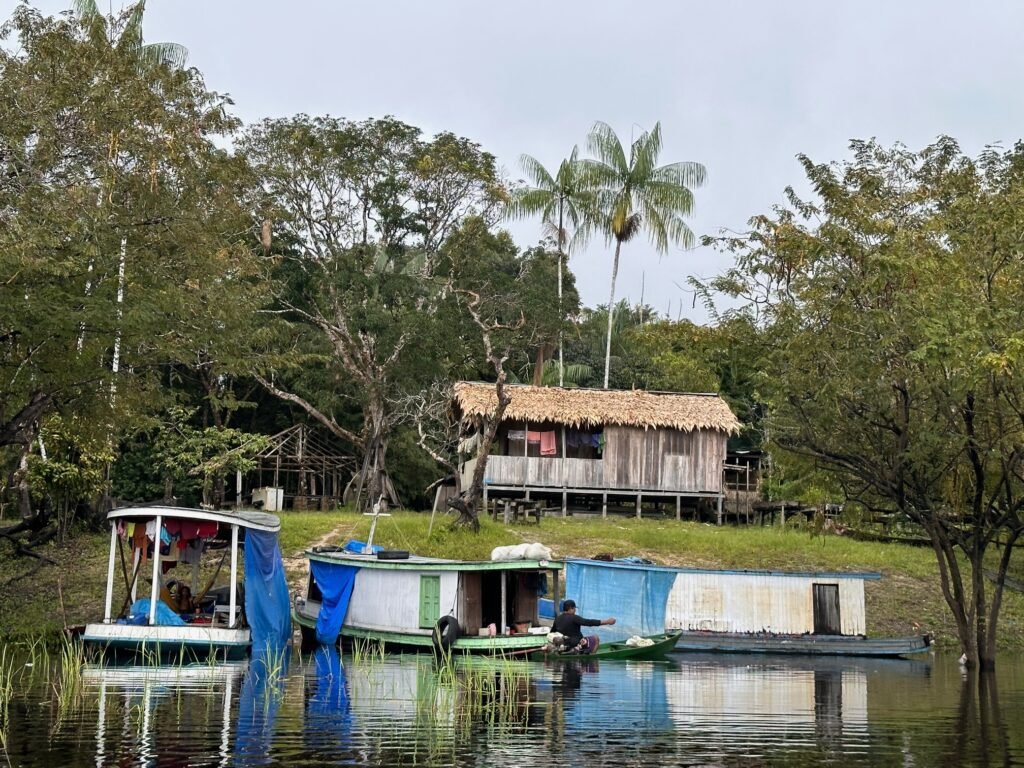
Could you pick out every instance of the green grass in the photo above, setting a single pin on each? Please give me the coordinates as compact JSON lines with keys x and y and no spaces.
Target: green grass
{"x":906,"y":600}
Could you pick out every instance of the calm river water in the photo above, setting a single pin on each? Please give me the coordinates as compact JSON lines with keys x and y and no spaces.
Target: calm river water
{"x":405,"y":710}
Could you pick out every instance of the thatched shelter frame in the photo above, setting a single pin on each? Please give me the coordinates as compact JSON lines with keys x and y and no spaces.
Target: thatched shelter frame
{"x":657,"y":445}
{"x":309,"y":469}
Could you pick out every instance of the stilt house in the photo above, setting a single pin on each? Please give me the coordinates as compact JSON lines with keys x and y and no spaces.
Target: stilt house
{"x":633,"y":445}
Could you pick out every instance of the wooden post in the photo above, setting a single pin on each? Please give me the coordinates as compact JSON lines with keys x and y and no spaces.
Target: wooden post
{"x":504,"y":588}
{"x":154,"y":592}
{"x":639,"y":501}
{"x":720,"y":497}
{"x":232,"y":596}
{"x":110,"y":573}
{"x":565,"y":503}
{"x":604,"y":504}
{"x":679,"y":508}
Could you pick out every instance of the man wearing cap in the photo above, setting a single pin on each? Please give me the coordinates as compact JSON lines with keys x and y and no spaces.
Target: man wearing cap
{"x":569,"y":624}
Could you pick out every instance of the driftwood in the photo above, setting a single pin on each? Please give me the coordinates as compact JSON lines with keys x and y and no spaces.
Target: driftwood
{"x":29,"y":533}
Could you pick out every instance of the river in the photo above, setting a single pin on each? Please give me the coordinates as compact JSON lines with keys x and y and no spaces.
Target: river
{"x":326,"y":710}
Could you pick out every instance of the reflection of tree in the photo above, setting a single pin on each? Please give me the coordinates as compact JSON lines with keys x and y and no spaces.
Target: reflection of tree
{"x":980,"y":735}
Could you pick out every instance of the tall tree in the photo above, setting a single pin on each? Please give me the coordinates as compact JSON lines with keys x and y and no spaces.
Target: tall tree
{"x":634,"y":193}
{"x":368,"y":204}
{"x":892,"y":304}
{"x":81,"y":123}
{"x":125,"y":36}
{"x":561,"y":201}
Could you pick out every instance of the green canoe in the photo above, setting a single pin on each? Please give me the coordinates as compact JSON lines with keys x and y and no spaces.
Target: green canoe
{"x":661,"y":646}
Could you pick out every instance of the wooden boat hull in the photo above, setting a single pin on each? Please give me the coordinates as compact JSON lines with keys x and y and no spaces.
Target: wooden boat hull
{"x":618,"y":651}
{"x":830,"y":645}
{"x":167,"y":643}
{"x":500,"y":645}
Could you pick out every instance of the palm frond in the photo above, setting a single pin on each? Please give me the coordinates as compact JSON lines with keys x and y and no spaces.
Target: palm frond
{"x":687,"y":174}
{"x":644,"y":154}
{"x":172,"y":55}
{"x":604,"y":143}
{"x":538,"y":175}
{"x":530,"y":201}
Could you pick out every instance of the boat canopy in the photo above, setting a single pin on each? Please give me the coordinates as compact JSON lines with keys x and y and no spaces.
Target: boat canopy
{"x":257,"y":521}
{"x":635,"y":596}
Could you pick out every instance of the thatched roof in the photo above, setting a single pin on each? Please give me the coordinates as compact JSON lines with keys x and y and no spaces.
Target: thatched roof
{"x":593,"y":407}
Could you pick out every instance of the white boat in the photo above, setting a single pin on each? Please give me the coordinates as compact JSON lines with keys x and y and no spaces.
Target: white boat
{"x":402,"y":600}
{"x":225,"y":621}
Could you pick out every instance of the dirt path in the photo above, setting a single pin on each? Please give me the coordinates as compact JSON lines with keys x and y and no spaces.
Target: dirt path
{"x":296,"y":568}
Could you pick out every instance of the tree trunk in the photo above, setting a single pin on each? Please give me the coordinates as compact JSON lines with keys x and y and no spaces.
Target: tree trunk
{"x":467,"y":503}
{"x":561,"y":248}
{"x":611,"y":313}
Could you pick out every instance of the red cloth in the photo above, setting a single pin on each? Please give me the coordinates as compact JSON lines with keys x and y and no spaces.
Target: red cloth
{"x":547,"y":444}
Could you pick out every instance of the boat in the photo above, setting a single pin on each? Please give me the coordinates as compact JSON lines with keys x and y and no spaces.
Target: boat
{"x":814,"y":613}
{"x":214,"y":622}
{"x":809,"y":644}
{"x":400,"y":600}
{"x":651,"y":648}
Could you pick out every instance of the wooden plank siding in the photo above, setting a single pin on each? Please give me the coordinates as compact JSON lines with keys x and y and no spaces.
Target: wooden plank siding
{"x":652,"y":460}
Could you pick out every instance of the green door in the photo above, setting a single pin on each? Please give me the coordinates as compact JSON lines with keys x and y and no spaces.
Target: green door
{"x":430,"y":601}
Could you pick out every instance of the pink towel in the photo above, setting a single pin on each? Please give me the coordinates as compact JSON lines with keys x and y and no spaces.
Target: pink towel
{"x":547,"y":444}
{"x":532,"y":437}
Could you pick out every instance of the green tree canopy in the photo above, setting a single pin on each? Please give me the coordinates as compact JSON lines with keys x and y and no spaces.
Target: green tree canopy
{"x":892,"y":304}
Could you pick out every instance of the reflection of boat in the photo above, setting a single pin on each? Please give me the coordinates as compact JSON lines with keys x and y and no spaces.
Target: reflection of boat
{"x":660,"y":647}
{"x":223,"y":622}
{"x":735,"y":611}
{"x":809,"y":644}
{"x":154,"y":693}
{"x":421,"y":602}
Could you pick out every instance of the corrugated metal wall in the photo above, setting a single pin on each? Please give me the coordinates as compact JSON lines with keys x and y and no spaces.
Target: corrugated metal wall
{"x":758,"y":603}
{"x":390,"y":600}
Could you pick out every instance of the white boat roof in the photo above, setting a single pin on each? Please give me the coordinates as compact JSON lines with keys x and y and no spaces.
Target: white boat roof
{"x":420,"y":562}
{"x":257,"y":521}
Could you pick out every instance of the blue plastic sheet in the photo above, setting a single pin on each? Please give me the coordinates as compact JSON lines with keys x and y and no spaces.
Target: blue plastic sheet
{"x":328,"y":723}
{"x":335,"y":582}
{"x":165,"y":615}
{"x":267,"y":605}
{"x":258,"y":703}
{"x":636,"y":595}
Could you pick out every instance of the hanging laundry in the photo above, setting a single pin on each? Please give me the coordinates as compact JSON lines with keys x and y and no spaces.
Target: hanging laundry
{"x":547,"y":444}
{"x":517,"y":434}
{"x":193,"y":552}
{"x":572,"y":438}
{"x":532,"y":436}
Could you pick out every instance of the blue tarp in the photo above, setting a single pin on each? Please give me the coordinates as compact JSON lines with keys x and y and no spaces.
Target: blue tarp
{"x":258,"y":703}
{"x":335,"y":582}
{"x":165,"y":615}
{"x":267,"y":605}
{"x":636,"y":595}
{"x":328,"y":723}
{"x":359,"y":547}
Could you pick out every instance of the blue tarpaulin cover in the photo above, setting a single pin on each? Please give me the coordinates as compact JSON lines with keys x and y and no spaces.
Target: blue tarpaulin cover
{"x":165,"y":615}
{"x":636,"y":595}
{"x":267,"y":605}
{"x":335,"y":582}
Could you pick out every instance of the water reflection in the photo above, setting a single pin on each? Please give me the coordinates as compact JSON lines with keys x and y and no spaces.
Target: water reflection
{"x":325,"y":710}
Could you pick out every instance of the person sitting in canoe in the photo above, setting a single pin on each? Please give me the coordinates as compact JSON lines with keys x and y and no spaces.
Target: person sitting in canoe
{"x":570,"y":625}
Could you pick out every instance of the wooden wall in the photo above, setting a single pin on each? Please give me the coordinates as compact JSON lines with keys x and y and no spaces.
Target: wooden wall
{"x":650,"y":460}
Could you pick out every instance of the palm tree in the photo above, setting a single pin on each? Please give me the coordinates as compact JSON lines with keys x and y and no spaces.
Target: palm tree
{"x":634,"y":193}
{"x":560,"y":200}
{"x":129,"y":40}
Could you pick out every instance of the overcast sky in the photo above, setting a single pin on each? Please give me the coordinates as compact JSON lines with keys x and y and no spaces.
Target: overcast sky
{"x":741,"y":87}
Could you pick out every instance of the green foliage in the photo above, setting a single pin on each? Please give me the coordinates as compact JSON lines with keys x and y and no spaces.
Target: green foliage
{"x":74,"y":468}
{"x":121,"y":243}
{"x":892,"y":308}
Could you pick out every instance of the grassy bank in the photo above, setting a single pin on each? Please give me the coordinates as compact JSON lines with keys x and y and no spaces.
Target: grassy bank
{"x":906,"y":600}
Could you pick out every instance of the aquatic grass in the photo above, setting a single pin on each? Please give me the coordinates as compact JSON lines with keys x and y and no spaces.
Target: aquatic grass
{"x":67,"y":683}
